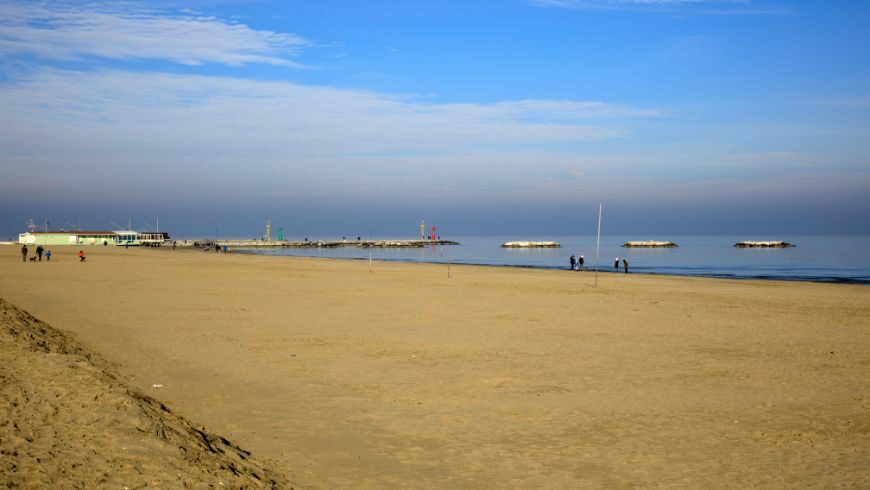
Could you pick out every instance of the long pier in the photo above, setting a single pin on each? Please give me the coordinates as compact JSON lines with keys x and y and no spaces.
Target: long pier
{"x":324,"y":243}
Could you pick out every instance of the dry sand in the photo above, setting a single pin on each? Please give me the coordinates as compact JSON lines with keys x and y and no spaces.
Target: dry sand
{"x":403,"y":377}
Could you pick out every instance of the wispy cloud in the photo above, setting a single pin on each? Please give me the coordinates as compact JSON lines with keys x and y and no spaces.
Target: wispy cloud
{"x":71,"y":32}
{"x":160,"y":129}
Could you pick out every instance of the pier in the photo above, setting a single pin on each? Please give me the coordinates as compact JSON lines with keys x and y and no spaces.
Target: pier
{"x":324,"y":243}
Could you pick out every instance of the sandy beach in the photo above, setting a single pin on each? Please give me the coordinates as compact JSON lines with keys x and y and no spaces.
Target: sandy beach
{"x":332,"y":376}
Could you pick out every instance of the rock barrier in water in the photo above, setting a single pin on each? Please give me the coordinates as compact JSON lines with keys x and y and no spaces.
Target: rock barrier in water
{"x":531,"y":245}
{"x":649,"y":244}
{"x":768,"y":244}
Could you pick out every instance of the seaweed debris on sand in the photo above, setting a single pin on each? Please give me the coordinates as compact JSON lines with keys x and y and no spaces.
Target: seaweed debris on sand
{"x":649,"y":244}
{"x":767,"y":244}
{"x":531,"y":245}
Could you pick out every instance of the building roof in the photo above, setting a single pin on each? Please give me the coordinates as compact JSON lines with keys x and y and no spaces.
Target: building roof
{"x":71,"y":232}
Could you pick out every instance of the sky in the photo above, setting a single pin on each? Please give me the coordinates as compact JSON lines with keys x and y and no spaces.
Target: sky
{"x":512,"y":117}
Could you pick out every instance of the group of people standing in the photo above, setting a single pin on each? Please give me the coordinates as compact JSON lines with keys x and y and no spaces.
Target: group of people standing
{"x":624,"y":264}
{"x":577,"y":263}
{"x":40,"y":251}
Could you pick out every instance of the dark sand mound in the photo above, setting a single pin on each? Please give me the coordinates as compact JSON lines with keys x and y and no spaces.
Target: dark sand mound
{"x":68,"y":421}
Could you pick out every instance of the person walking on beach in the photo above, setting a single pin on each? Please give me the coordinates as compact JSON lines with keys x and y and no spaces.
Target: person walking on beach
{"x":616,"y":263}
{"x":39,"y":251}
{"x":580,"y":263}
{"x":625,"y":264}
{"x":573,"y":262}
{"x":24,"y":253}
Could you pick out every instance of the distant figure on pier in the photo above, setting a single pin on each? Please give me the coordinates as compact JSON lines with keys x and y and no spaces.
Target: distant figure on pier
{"x":616,"y":263}
{"x":580,"y":263}
{"x":81,"y":256}
{"x":39,"y":252}
{"x":625,"y":264}
{"x":573,"y":262}
{"x":24,"y":253}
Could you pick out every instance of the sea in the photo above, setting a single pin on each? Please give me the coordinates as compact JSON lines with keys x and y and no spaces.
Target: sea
{"x":831,"y":259}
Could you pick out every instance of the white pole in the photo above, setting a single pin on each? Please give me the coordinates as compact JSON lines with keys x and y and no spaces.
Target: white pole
{"x":597,"y":245}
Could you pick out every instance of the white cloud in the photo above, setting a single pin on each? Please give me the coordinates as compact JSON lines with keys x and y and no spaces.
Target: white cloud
{"x":90,"y":129}
{"x":68,"y":32}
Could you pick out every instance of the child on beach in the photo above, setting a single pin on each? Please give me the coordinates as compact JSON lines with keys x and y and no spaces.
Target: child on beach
{"x":48,"y":255}
{"x":81,"y":255}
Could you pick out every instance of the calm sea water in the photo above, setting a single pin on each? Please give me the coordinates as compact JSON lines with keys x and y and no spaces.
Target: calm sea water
{"x":816,"y":258}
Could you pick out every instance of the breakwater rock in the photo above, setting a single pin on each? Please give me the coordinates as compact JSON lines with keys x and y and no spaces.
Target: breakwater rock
{"x":531,"y":245}
{"x":769,"y":244}
{"x":649,"y":244}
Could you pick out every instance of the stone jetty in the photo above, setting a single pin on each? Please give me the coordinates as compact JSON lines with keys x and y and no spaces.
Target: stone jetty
{"x":649,"y":244}
{"x":768,"y":244}
{"x":332,"y":243}
{"x":531,"y":245}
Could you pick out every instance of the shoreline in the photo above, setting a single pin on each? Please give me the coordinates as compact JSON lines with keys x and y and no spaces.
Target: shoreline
{"x":608,"y":270}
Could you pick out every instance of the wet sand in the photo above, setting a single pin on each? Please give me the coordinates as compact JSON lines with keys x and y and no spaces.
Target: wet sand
{"x":495,"y":377}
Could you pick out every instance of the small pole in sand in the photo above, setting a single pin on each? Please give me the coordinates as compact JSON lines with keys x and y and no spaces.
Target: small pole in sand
{"x":597,"y":245}
{"x":370,"y":259}
{"x":448,"y":271}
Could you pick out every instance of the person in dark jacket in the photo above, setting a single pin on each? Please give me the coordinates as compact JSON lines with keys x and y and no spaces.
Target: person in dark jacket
{"x":580,"y":262}
{"x":573,"y":262}
{"x":39,"y":251}
{"x":616,"y":263}
{"x":625,"y":264}
{"x":24,"y":253}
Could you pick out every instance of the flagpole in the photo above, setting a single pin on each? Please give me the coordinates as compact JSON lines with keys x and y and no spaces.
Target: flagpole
{"x":598,"y":245}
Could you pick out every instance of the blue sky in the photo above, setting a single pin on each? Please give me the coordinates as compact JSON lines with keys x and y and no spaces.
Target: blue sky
{"x":494,"y":117}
